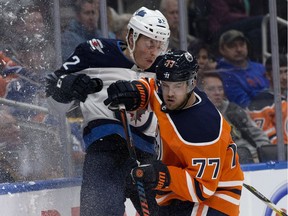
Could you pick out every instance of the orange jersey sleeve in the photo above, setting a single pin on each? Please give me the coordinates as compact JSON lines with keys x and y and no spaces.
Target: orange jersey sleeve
{"x":265,"y":119}
{"x":4,"y":84}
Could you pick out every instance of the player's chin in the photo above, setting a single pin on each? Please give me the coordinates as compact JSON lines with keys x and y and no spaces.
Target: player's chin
{"x":171,"y":106}
{"x":150,"y":61}
{"x":146,"y":65}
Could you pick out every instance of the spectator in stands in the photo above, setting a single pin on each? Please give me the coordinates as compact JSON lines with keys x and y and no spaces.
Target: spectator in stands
{"x":20,"y":84}
{"x":9,"y":80}
{"x":243,"y":79}
{"x":29,"y":159}
{"x":245,"y":132}
{"x":111,"y":13}
{"x":262,"y":111}
{"x":198,"y":11}
{"x":170,"y":10}
{"x":5,"y":62}
{"x":33,"y":56}
{"x":283,"y":73}
{"x":9,"y":145}
{"x":23,"y":85}
{"x":84,"y":27}
{"x":78,"y":152}
{"x":33,"y":49}
{"x":205,"y":59}
{"x":240,"y":15}
{"x":262,"y":107}
{"x":7,"y":17}
{"x":120,"y":25}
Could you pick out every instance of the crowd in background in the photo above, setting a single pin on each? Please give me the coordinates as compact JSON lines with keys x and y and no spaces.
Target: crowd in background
{"x":224,"y":35}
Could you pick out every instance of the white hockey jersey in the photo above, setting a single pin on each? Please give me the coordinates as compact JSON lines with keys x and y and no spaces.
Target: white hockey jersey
{"x":103,"y":58}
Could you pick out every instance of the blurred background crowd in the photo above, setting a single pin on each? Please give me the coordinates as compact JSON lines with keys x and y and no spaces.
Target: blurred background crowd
{"x":230,"y":38}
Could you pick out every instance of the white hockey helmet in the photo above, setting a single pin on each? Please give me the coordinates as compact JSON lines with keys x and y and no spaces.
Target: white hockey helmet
{"x":150,"y":23}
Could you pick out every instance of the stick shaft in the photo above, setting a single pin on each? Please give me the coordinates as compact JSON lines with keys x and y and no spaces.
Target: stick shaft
{"x":264,"y":199}
{"x":131,"y":148}
{"x":127,"y":131}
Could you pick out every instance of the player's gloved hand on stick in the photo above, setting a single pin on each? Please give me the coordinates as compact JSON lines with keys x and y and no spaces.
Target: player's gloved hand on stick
{"x":70,"y":87}
{"x":155,"y":175}
{"x":132,"y":94}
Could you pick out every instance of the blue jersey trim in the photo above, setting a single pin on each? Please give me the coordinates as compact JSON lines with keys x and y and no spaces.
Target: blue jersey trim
{"x":108,"y":129}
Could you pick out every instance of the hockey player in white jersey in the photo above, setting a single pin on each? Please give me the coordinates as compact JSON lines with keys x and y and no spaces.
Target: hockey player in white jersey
{"x":95,"y":65}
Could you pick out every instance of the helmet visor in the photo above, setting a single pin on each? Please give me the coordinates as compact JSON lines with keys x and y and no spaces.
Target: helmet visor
{"x":159,"y":47}
{"x":175,"y":88}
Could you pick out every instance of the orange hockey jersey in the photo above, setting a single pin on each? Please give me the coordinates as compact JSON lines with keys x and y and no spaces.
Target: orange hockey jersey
{"x":200,"y":154}
{"x":262,"y":111}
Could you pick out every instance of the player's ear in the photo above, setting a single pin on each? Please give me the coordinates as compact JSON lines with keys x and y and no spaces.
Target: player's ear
{"x":194,"y":82}
{"x":130,"y":39}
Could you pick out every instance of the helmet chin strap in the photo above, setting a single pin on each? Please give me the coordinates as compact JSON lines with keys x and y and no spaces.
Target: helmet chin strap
{"x":180,"y":107}
{"x":131,"y":51}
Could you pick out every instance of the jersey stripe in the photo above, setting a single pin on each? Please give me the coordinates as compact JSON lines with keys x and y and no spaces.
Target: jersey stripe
{"x":198,"y":190}
{"x":228,"y":198}
{"x":190,"y":187}
{"x":205,"y":210}
{"x":230,"y":183}
{"x":207,"y":191}
{"x":199,"y":209}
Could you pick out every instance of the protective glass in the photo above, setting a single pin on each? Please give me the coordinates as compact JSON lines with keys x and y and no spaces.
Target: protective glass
{"x":215,"y":89}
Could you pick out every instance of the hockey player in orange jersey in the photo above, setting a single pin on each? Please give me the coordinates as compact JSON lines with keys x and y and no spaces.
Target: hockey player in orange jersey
{"x":200,"y":173}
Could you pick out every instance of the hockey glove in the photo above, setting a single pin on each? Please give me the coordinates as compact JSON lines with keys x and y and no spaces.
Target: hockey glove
{"x":71,"y":87}
{"x":155,"y":175}
{"x":133,"y":95}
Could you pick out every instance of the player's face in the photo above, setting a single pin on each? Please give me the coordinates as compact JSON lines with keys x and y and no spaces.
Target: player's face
{"x":174,"y":93}
{"x":213,"y":87}
{"x":146,"y":51}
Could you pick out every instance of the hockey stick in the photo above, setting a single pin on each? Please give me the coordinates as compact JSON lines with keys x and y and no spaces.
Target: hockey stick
{"x":264,"y":199}
{"x":132,"y":153}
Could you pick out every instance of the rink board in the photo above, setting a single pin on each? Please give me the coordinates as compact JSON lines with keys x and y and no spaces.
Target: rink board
{"x":60,"y":197}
